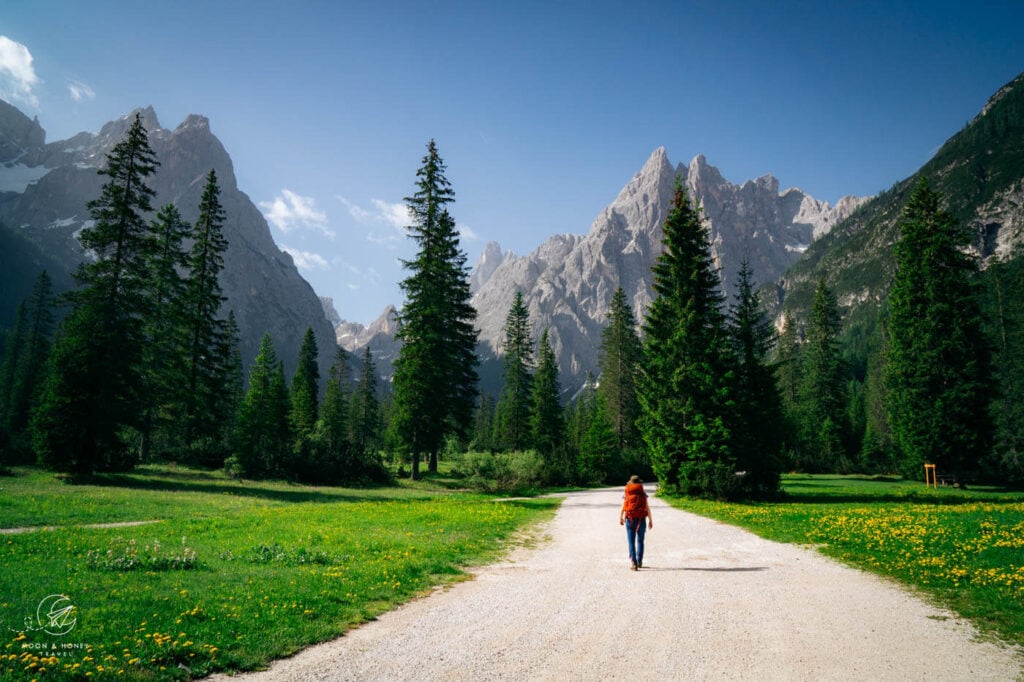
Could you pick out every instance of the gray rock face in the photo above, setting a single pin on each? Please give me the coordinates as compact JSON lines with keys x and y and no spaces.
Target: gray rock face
{"x":261,"y":283}
{"x":18,"y":134}
{"x":490,"y":260}
{"x":379,"y":336}
{"x":568,"y":282}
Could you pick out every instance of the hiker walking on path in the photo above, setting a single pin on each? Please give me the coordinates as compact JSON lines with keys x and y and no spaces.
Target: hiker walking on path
{"x":634,"y":510}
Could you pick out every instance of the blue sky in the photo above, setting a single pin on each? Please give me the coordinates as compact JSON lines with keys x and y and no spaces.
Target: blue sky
{"x":542,"y":110}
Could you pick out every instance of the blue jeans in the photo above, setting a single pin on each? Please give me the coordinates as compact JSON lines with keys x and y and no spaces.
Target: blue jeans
{"x":635,"y":529}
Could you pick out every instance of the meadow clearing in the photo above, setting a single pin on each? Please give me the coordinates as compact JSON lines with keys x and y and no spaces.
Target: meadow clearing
{"x":231,"y":575}
{"x":962,"y":548}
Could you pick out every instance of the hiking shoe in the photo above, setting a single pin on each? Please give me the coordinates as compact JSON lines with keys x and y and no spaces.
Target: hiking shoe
{"x":632,"y":566}
{"x":639,"y":564}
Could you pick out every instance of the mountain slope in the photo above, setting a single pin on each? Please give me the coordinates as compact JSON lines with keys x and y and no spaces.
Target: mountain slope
{"x":980,"y":172}
{"x":48,"y":185}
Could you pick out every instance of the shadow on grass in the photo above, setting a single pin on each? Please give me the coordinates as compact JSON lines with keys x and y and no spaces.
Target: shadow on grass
{"x":200,"y":482}
{"x":873,"y":490}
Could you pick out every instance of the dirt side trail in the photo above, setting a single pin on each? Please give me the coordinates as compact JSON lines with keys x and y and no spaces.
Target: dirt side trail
{"x":712,"y":602}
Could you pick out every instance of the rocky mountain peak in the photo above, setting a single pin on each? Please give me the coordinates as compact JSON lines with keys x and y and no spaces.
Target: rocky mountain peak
{"x":649,"y":183}
{"x":260,"y":282}
{"x":700,"y":175}
{"x":194,"y":121}
{"x":18,"y":133}
{"x":567,"y":282}
{"x":490,"y":260}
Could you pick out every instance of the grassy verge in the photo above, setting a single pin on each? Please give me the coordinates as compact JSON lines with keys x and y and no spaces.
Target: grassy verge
{"x":963,"y":547}
{"x":231,"y":576}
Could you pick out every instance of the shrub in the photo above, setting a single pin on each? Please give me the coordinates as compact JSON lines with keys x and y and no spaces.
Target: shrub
{"x":502,"y":472}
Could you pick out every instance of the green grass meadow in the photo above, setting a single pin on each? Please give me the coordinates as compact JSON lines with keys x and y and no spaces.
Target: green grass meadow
{"x":962,"y":548}
{"x":231,"y":575}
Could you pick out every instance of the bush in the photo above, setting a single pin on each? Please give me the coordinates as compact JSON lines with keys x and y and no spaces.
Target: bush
{"x":501,"y":472}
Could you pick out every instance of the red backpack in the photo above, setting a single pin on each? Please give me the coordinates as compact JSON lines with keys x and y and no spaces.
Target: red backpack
{"x":636,"y":501}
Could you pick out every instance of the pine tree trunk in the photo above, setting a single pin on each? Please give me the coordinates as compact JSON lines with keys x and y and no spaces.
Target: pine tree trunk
{"x":415,"y":475}
{"x":432,"y":466}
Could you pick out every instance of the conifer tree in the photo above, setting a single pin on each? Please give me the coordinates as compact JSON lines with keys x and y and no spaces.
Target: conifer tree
{"x":260,"y":431}
{"x":1006,"y":319}
{"x":483,"y":426}
{"x":334,"y":417}
{"x":13,"y":352}
{"x":305,"y":389}
{"x":758,"y":434}
{"x":939,"y":363}
{"x":877,"y":446}
{"x":234,"y":382}
{"x":282,"y":456}
{"x":619,"y":360}
{"x":24,"y":370}
{"x":94,"y":389}
{"x":207,"y":335}
{"x":512,"y":423}
{"x":365,"y":420}
{"x":685,"y":377}
{"x":599,"y":450}
{"x":789,"y":369}
{"x":824,"y":389}
{"x":163,"y":363}
{"x":547,"y":422}
{"x":435,"y":379}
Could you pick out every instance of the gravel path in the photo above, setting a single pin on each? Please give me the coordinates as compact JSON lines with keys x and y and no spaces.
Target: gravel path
{"x":712,"y":602}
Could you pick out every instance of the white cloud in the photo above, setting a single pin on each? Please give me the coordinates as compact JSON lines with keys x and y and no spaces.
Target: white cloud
{"x":397,"y":215}
{"x":467,"y":233}
{"x":290,"y":211}
{"x":387,"y":221}
{"x":80,"y":91}
{"x":359,"y":213}
{"x":17,"y":77}
{"x":306,"y":260}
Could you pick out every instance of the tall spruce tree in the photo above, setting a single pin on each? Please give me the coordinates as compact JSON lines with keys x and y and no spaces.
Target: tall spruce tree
{"x":207,"y":334}
{"x":483,"y":425}
{"x":685,"y":377}
{"x":789,"y":369}
{"x":93,"y":392}
{"x":619,"y":361}
{"x":163,"y":365}
{"x":261,"y":429}
{"x":1005,"y":281}
{"x":876,"y":452}
{"x":547,"y":421}
{"x":512,"y":419}
{"x":435,"y":381}
{"x":366,"y":411}
{"x":939,"y":362}
{"x":824,"y":388}
{"x":599,"y":451}
{"x":305,"y":388}
{"x":758,"y":436}
{"x":334,"y":418}
{"x":24,"y":369}
{"x":13,"y":353}
{"x":233,"y":390}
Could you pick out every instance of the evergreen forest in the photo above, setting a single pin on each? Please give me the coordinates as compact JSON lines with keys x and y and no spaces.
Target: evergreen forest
{"x":707,"y":393}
